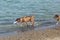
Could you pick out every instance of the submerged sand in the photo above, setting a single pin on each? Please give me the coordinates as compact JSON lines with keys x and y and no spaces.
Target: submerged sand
{"x":44,"y":34}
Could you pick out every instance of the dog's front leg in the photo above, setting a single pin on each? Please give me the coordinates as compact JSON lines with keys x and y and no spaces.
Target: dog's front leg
{"x":21,"y":24}
{"x":57,"y":21}
{"x":26,"y":24}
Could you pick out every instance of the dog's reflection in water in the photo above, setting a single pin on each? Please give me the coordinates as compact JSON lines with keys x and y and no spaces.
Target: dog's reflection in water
{"x":25,"y":28}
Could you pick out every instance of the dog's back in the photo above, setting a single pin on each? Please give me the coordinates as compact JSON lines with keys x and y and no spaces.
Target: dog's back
{"x":26,"y":18}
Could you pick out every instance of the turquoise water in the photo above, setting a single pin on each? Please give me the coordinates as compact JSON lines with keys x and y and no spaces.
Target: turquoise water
{"x":43,"y":11}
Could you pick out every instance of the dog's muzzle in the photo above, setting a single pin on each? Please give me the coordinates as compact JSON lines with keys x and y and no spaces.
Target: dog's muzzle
{"x":15,"y":22}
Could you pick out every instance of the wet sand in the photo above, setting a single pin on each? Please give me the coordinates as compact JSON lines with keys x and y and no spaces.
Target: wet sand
{"x":44,"y":34}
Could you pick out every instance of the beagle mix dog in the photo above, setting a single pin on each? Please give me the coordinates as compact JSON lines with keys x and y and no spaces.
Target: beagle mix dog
{"x":25,"y":19}
{"x":57,"y":17}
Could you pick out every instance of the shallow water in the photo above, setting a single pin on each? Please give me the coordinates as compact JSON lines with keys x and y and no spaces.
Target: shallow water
{"x":43,"y":11}
{"x":18,"y":28}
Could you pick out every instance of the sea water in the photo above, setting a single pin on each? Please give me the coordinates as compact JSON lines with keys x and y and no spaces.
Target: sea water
{"x":42,"y":10}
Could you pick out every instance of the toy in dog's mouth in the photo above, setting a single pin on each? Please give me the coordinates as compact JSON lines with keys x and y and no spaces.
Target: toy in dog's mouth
{"x":15,"y":22}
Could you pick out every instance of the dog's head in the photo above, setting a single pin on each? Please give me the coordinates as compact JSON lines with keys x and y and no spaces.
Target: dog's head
{"x":56,"y":16}
{"x":17,"y":20}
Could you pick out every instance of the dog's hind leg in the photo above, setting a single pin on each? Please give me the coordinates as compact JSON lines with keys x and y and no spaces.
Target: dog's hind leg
{"x":32,"y":20}
{"x":21,"y":24}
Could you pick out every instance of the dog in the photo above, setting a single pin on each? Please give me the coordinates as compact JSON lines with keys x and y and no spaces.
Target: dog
{"x":25,"y":19}
{"x":57,"y":17}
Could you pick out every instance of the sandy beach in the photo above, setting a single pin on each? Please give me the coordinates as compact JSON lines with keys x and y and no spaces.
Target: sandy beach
{"x":45,"y":34}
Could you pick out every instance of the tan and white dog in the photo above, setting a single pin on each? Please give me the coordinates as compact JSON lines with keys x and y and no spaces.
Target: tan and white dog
{"x":25,"y":19}
{"x":57,"y":17}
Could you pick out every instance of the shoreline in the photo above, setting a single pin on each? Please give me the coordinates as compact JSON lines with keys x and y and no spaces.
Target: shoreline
{"x":44,"y":34}
{"x":24,"y":29}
